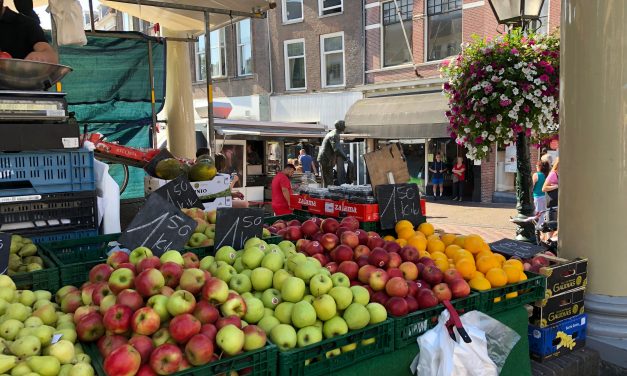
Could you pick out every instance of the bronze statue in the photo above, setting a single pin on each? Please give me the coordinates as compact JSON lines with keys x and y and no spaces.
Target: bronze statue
{"x":331,"y":154}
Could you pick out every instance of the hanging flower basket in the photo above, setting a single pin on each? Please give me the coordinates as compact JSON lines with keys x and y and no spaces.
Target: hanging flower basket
{"x":499,"y":88}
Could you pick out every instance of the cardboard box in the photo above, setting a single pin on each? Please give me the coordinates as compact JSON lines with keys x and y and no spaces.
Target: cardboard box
{"x":559,"y":339}
{"x":387,"y":166}
{"x":564,"y":275}
{"x":220,"y":186}
{"x":556,"y":308}
{"x":220,"y":202}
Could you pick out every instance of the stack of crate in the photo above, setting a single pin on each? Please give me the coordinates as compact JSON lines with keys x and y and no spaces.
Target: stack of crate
{"x":558,"y":322}
{"x":48,"y":195}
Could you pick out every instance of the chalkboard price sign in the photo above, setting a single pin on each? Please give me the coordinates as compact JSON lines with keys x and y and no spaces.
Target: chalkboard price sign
{"x":5,"y":251}
{"x":180,"y":193}
{"x":398,"y":202}
{"x":236,"y":225}
{"x":516,"y":248}
{"x":159,"y":226}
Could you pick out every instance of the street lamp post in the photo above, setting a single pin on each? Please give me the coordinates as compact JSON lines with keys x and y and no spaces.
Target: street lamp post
{"x":520,"y":13}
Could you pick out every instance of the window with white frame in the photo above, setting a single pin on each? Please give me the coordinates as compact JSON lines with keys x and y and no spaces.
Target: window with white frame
{"x":542,"y":25}
{"x":332,"y":59}
{"x":127,"y":22}
{"x":292,"y":11}
{"x":244,"y":48}
{"x":395,"y":50}
{"x":328,"y":7}
{"x":218,"y":55}
{"x":444,"y":28}
{"x":295,"y":69}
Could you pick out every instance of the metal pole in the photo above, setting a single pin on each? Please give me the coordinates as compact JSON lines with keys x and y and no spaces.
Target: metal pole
{"x":411,"y":55}
{"x":151,"y":73}
{"x":210,"y":133}
{"x":258,"y":13}
{"x":91,"y":15}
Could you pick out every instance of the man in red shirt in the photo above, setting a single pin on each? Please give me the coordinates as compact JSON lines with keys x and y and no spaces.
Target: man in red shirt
{"x":281,"y":191}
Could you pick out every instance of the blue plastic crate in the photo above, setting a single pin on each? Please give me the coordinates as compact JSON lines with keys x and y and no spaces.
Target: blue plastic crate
{"x":29,"y":173}
{"x":559,"y":339}
{"x":58,"y":237}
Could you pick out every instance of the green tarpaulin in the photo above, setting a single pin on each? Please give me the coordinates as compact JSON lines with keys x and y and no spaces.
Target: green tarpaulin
{"x":109,"y":91}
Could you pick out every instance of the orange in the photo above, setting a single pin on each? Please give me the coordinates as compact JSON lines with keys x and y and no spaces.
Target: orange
{"x":426,"y":228}
{"x":460,"y":240}
{"x":451,"y":250}
{"x":523,"y":277}
{"x":479,"y":283}
{"x":497,"y":300}
{"x":424,"y":254}
{"x":448,"y":239}
{"x":401,"y":242}
{"x":406,"y":233}
{"x":403,"y":224}
{"x":435,"y":245}
{"x":483,"y":253}
{"x":441,"y":264}
{"x":516,"y":263}
{"x":389,"y":238}
{"x":485,"y":247}
{"x":485,"y":263}
{"x":473,"y":243}
{"x":432,"y":237}
{"x":500,"y":258}
{"x":513,"y":274}
{"x":497,"y":277}
{"x":462,"y":253}
{"x":418,"y":242}
{"x":478,"y":274}
{"x":466,"y":267}
{"x":511,"y":295}
{"x":439,"y":256}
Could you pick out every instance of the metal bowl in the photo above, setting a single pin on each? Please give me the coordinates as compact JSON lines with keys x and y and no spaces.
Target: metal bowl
{"x":16,"y":74}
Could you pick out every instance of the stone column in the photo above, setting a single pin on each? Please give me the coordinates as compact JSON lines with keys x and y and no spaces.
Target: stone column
{"x":179,"y":104}
{"x":593,"y":162}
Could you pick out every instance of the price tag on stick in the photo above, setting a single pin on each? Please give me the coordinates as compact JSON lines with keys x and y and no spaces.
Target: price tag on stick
{"x":236,"y":225}
{"x":5,"y":251}
{"x":159,"y":226}
{"x":510,"y":247}
{"x":398,"y":202}
{"x":180,"y":193}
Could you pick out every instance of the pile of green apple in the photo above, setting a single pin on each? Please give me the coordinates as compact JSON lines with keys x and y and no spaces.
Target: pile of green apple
{"x":23,"y":256}
{"x":36,"y":337}
{"x":152,"y":315}
{"x":290,"y":296}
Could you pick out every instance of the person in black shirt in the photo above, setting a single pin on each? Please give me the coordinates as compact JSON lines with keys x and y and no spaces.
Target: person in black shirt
{"x":23,"y":38}
{"x":438,"y":168}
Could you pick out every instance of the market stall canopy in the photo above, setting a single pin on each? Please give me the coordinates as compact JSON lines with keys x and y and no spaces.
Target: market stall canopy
{"x":230,"y":128}
{"x":398,"y":117}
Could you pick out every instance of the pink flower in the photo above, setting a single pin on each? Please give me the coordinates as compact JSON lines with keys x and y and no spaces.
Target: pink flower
{"x":528,"y":132}
{"x":446,"y":63}
{"x":514,"y":51}
{"x":447,"y":86}
{"x":478,"y":140}
{"x":526,"y":109}
{"x":488,"y":89}
{"x":544,"y":78}
{"x":505,"y":103}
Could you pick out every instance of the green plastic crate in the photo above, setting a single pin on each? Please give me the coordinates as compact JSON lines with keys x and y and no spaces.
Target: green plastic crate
{"x":45,"y":279}
{"x":262,"y":362}
{"x":75,"y":258}
{"x":529,"y":291}
{"x":312,"y":360}
{"x":286,"y":217}
{"x":415,"y":324}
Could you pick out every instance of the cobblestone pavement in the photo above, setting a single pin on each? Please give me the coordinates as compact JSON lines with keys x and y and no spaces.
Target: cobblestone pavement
{"x":491,"y":221}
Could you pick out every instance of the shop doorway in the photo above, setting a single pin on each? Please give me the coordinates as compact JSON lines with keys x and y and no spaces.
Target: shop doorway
{"x":449,"y":151}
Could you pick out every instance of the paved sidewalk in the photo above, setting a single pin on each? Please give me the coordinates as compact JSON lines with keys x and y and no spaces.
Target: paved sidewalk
{"x":491,"y":221}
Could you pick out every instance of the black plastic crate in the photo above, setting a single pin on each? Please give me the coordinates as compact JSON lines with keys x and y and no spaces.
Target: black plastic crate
{"x":46,"y":213}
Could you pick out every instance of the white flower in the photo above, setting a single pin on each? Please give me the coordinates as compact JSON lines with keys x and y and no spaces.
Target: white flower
{"x":489,"y":68}
{"x":515,"y":91}
{"x":484,"y":134}
{"x":499,"y":117}
{"x":491,"y":138}
{"x":537,"y":92}
{"x":504,"y":97}
{"x":501,"y":71}
{"x":498,"y":129}
{"x":485,"y":149}
{"x":484,"y":100}
{"x":467,"y":130}
{"x":537,"y":81}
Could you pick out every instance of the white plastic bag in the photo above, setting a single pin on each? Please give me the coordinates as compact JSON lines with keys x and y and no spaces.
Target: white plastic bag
{"x":108,"y":198}
{"x":68,"y":17}
{"x":440,"y":355}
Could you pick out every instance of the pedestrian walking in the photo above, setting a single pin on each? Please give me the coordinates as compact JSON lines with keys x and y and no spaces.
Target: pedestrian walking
{"x":550,"y":186}
{"x":438,"y":168}
{"x":459,"y":176}
{"x":539,"y":197}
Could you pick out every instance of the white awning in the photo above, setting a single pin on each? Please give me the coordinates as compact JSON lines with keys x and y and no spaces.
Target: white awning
{"x":268,"y":129}
{"x":399,"y":117}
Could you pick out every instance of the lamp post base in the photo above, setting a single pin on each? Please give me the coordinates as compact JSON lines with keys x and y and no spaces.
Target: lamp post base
{"x":524,"y":200}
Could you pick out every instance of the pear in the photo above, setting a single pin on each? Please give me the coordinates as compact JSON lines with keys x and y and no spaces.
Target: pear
{"x":40,"y":303}
{"x":44,"y":365}
{"x":26,"y":346}
{"x":78,"y":349}
{"x":34,"y":260}
{"x":43,"y":295}
{"x":65,"y":369}
{"x":66,"y":325}
{"x":82,"y":369}
{"x":4,"y":347}
{"x":26,"y":297}
{"x":62,"y":350}
{"x":15,"y":262}
{"x":10,"y":328}
{"x":33,"y":267}
{"x":20,"y":369}
{"x":68,"y":334}
{"x":28,"y":250}
{"x":44,"y":333}
{"x":18,"y":311}
{"x":64,"y":317}
{"x":7,"y":294}
{"x":47,"y":314}
{"x":83,"y":358}
{"x":33,"y":322}
{"x":7,"y":362}
{"x":3,"y":306}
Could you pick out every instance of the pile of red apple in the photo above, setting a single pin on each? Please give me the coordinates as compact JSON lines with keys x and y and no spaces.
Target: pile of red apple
{"x":395,"y":276}
{"x":151,"y":315}
{"x":537,"y":262}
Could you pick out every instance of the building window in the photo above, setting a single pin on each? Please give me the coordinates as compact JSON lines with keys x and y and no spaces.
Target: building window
{"x":444,"y":28}
{"x":127,"y":22}
{"x":292,"y":11}
{"x":395,"y":50}
{"x":295,"y":69}
{"x":244,"y":48}
{"x":328,"y":7}
{"x":218,"y":55}
{"x":542,"y":25}
{"x":332,"y":59}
